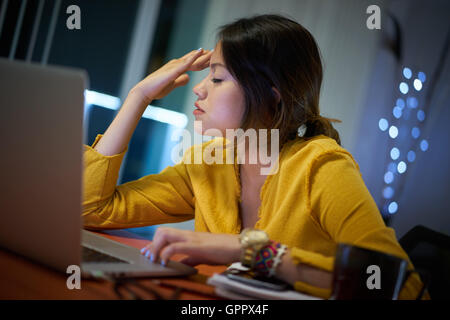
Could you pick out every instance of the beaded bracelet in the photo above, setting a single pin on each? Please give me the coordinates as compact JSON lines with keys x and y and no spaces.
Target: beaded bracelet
{"x":268,"y":258}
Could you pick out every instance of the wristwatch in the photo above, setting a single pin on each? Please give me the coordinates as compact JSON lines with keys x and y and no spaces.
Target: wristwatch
{"x":252,"y":240}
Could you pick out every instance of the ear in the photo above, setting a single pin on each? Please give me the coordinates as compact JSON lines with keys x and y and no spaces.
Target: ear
{"x":277,"y":94}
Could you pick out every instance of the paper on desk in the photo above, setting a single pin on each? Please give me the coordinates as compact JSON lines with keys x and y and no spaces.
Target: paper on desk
{"x":232,"y":289}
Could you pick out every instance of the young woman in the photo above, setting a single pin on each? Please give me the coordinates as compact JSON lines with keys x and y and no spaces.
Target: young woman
{"x":265,"y":73}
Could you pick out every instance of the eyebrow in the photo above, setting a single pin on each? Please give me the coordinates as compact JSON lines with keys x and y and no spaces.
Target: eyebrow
{"x":214,"y":65}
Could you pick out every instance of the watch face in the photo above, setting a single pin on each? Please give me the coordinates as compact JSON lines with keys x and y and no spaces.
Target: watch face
{"x":256,"y":237}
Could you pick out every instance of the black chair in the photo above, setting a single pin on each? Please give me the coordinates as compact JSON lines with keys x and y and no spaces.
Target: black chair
{"x":429,"y":251}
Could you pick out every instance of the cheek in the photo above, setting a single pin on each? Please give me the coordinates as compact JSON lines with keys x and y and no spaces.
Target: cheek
{"x":229,"y":115}
{"x":228,"y":105}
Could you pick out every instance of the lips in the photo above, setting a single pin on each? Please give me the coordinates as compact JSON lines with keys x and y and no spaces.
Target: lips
{"x":198,"y":107}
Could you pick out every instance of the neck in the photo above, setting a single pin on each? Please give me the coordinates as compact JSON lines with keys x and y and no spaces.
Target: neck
{"x":251,"y":163}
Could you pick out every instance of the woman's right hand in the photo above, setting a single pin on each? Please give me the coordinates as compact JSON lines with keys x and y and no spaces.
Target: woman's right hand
{"x":172,"y":75}
{"x":155,"y":86}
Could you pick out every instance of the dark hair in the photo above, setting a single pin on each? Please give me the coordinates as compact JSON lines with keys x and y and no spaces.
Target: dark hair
{"x":266,"y":51}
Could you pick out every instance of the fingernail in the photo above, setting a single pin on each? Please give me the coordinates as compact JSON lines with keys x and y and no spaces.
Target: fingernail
{"x":152,"y":258}
{"x":163,"y":263}
{"x":199,"y":49}
{"x":147,"y":254}
{"x":143,"y":249}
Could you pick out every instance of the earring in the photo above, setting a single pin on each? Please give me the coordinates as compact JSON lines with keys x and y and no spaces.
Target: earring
{"x":301,"y":130}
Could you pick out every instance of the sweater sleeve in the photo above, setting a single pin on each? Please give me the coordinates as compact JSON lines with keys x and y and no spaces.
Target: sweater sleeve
{"x":343,"y":208}
{"x":166,"y":197}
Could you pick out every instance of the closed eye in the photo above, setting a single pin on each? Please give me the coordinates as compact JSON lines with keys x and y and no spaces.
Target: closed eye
{"x":216,"y":80}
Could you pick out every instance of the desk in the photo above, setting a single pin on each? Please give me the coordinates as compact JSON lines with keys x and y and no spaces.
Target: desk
{"x":21,"y":278}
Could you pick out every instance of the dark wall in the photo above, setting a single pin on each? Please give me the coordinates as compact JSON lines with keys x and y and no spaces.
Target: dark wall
{"x":100,"y":46}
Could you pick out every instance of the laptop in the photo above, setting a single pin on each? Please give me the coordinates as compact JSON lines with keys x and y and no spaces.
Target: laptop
{"x":41,"y":165}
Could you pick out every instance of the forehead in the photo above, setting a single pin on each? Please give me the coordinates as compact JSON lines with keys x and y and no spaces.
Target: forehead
{"x":216,"y":58}
{"x":215,"y":65}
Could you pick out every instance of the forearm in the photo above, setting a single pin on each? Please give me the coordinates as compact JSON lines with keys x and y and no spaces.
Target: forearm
{"x":290,"y":272}
{"x":118,"y":135}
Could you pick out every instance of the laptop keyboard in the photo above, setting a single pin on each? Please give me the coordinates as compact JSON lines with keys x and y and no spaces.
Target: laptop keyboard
{"x":91,"y":255}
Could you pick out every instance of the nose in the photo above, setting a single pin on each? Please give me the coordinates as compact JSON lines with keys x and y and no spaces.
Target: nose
{"x":200,"y":89}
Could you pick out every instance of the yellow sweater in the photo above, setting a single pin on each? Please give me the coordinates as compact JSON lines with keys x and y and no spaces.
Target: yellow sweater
{"x":315,"y":200}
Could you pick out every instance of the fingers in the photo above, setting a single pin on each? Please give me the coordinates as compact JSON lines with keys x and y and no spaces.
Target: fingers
{"x":178,"y":247}
{"x":162,"y":81}
{"x":181,"y":80}
{"x":187,"y":55}
{"x":162,"y":238}
{"x":200,"y":247}
{"x":188,"y":59}
{"x":202,"y":62}
{"x":195,"y":60}
{"x":191,"y":261}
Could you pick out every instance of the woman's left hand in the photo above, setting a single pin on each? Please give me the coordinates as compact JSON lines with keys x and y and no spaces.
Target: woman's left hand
{"x":200,"y":247}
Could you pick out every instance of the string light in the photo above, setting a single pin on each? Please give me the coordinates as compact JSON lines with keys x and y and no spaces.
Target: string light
{"x":397,"y":112}
{"x":411,"y":156}
{"x":388,"y":192}
{"x":400,"y":103}
{"x":417,"y":84}
{"x":393,"y":132}
{"x":395,"y":153}
{"x":388,"y":177}
{"x":393,"y":207}
{"x":412,"y":102}
{"x":421,"y":115}
{"x":404,"y":88}
{"x":383,"y":124}
{"x":422,"y":77}
{"x":415,"y":132}
{"x":401,"y":116}
{"x":401,"y":167}
{"x":407,"y":73}
{"x":424,"y":145}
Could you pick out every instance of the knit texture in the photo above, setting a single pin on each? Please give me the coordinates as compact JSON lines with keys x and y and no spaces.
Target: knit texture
{"x":316,"y":200}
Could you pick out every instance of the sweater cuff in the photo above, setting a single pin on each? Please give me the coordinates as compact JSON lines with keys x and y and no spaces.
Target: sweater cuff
{"x":311,"y":290}
{"x":97,"y":139}
{"x":98,"y":154}
{"x":313,"y":259}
